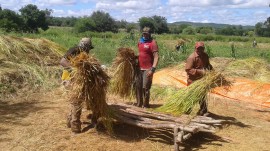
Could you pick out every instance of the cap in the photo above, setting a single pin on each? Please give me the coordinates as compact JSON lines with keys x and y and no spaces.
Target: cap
{"x":86,"y":41}
{"x":146,"y":30}
{"x":199,"y":44}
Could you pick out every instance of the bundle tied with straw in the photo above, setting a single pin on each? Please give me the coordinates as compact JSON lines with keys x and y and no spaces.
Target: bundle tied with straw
{"x":125,"y":67}
{"x":187,"y":98}
{"x":90,"y":84}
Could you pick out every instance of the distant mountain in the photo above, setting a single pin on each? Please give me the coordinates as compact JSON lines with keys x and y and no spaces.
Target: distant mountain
{"x":214,"y":25}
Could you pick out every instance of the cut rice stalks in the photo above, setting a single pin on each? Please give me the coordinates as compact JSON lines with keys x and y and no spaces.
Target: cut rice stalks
{"x":252,"y":68}
{"x":126,"y":69}
{"x":187,"y":98}
{"x":28,"y":64}
{"x":89,"y":83}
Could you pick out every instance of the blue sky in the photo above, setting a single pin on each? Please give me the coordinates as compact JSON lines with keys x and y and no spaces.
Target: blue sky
{"x":235,"y":12}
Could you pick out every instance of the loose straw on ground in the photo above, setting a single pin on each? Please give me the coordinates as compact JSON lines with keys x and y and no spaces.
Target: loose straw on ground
{"x":187,"y":98}
{"x":125,"y":68}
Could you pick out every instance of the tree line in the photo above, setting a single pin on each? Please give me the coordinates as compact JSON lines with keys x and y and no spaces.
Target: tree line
{"x":30,"y":19}
{"x":263,"y":28}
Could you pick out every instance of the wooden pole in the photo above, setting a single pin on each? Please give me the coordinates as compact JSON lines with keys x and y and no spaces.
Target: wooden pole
{"x":175,"y":135}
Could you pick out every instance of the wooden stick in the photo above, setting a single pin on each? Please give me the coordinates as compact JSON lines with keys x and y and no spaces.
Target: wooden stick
{"x":201,"y":125}
{"x":153,"y":126}
{"x":158,"y":115}
{"x":146,"y":119}
{"x":203,"y":117}
{"x":176,"y":145}
{"x":208,"y":121}
{"x":185,"y":137}
{"x":180,"y":136}
{"x":152,"y":115}
{"x":208,"y":131}
{"x":132,"y":116}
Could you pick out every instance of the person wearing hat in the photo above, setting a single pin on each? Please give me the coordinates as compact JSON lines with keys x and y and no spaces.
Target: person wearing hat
{"x":196,"y":64}
{"x":85,"y":45}
{"x":148,"y":61}
{"x":73,"y":118}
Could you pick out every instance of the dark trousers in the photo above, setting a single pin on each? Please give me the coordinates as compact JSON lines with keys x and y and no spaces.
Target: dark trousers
{"x":143,"y":86}
{"x":203,"y":107}
{"x":73,"y":118}
{"x":74,"y":115}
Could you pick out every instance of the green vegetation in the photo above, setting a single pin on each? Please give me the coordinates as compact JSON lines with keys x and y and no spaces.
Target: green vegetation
{"x":107,"y":43}
{"x":30,"y":20}
{"x":263,"y":29}
{"x":10,"y":21}
{"x":158,"y":24}
{"x":33,"y":70}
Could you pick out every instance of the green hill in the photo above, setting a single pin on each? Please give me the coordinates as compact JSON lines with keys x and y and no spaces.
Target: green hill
{"x":214,"y":25}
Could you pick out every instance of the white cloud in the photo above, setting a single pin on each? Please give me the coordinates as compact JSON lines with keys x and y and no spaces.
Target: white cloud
{"x":17,"y":4}
{"x":246,"y":12}
{"x":137,"y":4}
{"x":130,"y":10}
{"x":130,"y":4}
{"x":61,"y":2}
{"x":9,"y":4}
{"x":68,"y":13}
{"x":220,"y":3}
{"x":101,"y":5}
{"x":55,"y":2}
{"x":59,"y":13}
{"x":254,"y":4}
{"x":205,"y":21}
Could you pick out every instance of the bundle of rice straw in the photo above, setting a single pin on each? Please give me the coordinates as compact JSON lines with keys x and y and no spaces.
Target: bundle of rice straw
{"x":187,"y":98}
{"x":126,"y":68}
{"x":90,"y":83}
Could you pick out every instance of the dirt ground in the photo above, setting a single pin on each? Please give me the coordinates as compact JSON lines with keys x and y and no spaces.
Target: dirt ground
{"x":37,"y":121}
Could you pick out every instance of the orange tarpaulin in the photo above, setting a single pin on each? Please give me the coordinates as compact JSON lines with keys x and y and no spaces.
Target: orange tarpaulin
{"x":171,"y":77}
{"x":242,"y":89}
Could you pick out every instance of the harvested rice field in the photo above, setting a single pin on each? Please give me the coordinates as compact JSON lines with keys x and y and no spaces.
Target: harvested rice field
{"x":34,"y":106}
{"x":38,"y":122}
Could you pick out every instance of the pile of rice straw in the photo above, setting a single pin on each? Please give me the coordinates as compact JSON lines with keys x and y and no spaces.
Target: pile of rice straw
{"x":187,"y":98}
{"x":90,"y":83}
{"x":28,"y":64}
{"x":125,"y":67}
{"x":252,"y":68}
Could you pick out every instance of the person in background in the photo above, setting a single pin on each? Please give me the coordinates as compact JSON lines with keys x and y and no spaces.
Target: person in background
{"x":196,"y":64}
{"x":148,"y":61}
{"x":180,"y":46}
{"x":73,"y":118}
{"x":254,"y":44}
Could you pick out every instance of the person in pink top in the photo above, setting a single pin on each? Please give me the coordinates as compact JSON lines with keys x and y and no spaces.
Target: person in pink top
{"x":148,"y":61}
